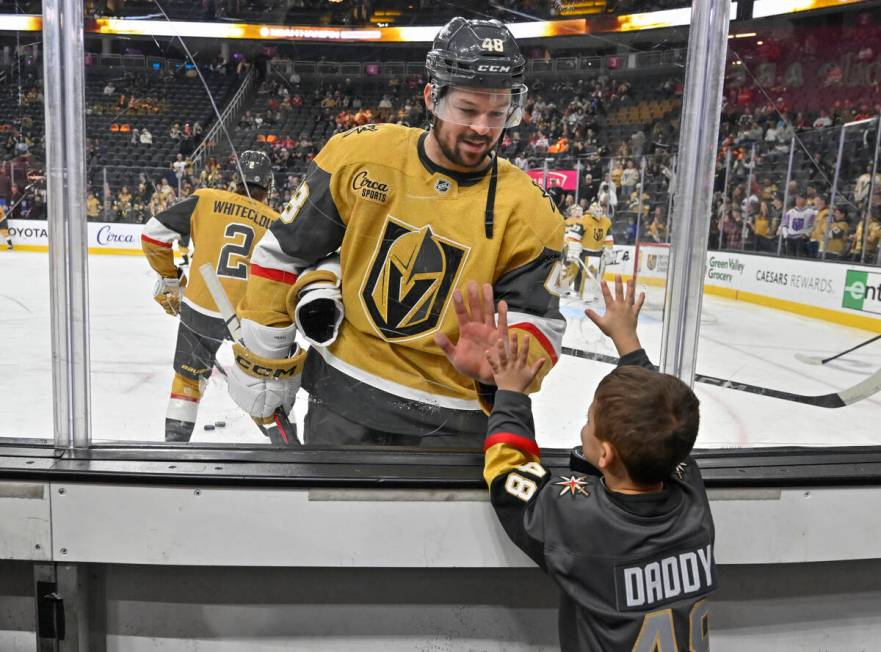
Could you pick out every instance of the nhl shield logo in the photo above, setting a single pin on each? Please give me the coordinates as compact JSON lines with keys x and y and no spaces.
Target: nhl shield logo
{"x":411,"y":279}
{"x":442,"y":186}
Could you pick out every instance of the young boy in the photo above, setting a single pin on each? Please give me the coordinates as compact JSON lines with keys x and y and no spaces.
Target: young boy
{"x":632,"y":550}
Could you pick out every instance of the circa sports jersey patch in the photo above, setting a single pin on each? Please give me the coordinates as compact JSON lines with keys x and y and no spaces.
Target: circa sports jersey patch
{"x":368,"y":188}
{"x":411,"y":278}
{"x":574,"y":485}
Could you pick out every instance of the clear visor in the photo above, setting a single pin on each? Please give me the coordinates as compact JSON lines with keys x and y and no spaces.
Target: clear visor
{"x":480,"y":108}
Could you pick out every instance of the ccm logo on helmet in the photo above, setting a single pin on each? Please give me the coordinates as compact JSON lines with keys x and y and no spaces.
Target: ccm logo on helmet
{"x":488,"y":68}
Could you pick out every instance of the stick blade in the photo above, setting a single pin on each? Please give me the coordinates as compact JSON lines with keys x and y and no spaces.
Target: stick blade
{"x":809,"y":359}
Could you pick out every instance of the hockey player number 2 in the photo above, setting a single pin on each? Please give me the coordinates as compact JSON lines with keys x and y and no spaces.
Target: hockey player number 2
{"x":243,"y":237}
{"x":657,"y":634}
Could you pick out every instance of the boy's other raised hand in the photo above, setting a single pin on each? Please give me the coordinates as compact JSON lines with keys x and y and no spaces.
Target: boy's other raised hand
{"x":619,"y":320}
{"x":509,"y":361}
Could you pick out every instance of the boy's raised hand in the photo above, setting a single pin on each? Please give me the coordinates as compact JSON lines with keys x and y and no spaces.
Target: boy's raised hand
{"x":509,"y":361}
{"x":621,"y":315}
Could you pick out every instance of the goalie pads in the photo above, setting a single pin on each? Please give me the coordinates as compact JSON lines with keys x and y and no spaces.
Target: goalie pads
{"x":168,"y":292}
{"x":315,"y":302}
{"x":572,"y":251}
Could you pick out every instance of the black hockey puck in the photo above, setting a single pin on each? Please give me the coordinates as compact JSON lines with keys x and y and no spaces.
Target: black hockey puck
{"x":209,"y":426}
{"x":220,"y":424}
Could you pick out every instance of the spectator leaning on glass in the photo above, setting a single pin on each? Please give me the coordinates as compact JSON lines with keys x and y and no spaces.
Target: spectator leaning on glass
{"x":796,"y":227}
{"x":416,"y":217}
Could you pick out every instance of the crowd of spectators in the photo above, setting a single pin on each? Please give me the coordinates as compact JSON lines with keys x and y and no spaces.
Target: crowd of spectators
{"x":564,"y":121}
{"x":757,"y":208}
{"x":623,"y":165}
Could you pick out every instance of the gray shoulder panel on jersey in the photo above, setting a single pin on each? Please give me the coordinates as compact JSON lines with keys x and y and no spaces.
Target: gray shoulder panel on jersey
{"x":317,"y":229}
{"x":177,"y":217}
{"x":524,"y":287}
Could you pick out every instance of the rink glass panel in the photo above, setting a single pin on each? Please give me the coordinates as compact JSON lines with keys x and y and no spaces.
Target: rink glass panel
{"x":798,"y":302}
{"x":133,"y":340}
{"x":26,"y":380}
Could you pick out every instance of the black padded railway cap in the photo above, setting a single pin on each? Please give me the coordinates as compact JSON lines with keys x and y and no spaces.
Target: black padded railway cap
{"x":256,"y":168}
{"x":479,"y":53}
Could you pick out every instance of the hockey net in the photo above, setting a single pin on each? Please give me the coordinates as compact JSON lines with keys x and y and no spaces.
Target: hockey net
{"x":651,"y":261}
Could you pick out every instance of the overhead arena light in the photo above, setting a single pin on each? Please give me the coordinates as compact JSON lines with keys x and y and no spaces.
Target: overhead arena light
{"x":424,"y":34}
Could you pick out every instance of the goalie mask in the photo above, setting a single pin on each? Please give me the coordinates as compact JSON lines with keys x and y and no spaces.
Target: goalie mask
{"x":256,"y":169}
{"x":476,"y":74}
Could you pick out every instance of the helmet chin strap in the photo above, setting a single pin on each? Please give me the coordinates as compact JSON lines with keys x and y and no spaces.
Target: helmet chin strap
{"x":489,"y":211}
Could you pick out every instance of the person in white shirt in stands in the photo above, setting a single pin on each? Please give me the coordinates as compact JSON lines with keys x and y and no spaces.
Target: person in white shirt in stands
{"x":796,"y":227}
{"x":179,"y":165}
{"x":146,"y":137}
{"x":822,"y":121}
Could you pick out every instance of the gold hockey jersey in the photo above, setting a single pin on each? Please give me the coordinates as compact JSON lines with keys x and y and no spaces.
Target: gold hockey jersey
{"x":408,"y":234}
{"x":591,"y":231}
{"x":224,"y":227}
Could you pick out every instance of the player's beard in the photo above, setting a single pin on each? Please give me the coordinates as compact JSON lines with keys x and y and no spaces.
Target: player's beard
{"x":452,"y":148}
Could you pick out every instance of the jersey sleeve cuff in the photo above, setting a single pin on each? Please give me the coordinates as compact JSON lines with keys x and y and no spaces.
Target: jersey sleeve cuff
{"x":638,"y":358}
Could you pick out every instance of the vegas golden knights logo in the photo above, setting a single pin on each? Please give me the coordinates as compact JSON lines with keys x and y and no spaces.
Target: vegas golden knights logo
{"x":411,"y":279}
{"x":598,"y":234}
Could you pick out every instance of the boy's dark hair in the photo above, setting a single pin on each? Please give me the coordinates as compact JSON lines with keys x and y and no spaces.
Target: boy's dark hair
{"x":650,"y":418}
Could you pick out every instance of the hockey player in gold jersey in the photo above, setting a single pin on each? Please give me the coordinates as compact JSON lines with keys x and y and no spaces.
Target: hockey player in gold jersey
{"x":414,"y":215}
{"x":588,"y":249}
{"x":224,"y":228}
{"x":4,"y":229}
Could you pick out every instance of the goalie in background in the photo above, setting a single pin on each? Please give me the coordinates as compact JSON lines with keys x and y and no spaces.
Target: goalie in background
{"x":587,"y":249}
{"x":224,"y":227}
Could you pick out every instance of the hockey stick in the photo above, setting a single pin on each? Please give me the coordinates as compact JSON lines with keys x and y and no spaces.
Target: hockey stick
{"x":189,"y":334}
{"x":228,"y":313}
{"x":863,"y":389}
{"x":816,"y":360}
{"x":270,"y":433}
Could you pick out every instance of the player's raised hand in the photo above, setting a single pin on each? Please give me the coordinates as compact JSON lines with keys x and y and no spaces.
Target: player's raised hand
{"x":621,"y":316}
{"x":478,"y":331}
{"x":509,"y":361}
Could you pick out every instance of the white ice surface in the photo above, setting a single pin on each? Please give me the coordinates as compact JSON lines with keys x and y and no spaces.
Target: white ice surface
{"x":133,"y":344}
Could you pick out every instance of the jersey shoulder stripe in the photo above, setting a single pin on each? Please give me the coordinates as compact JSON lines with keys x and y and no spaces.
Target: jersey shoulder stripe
{"x":521,"y":443}
{"x":280,"y":276}
{"x":158,"y":243}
